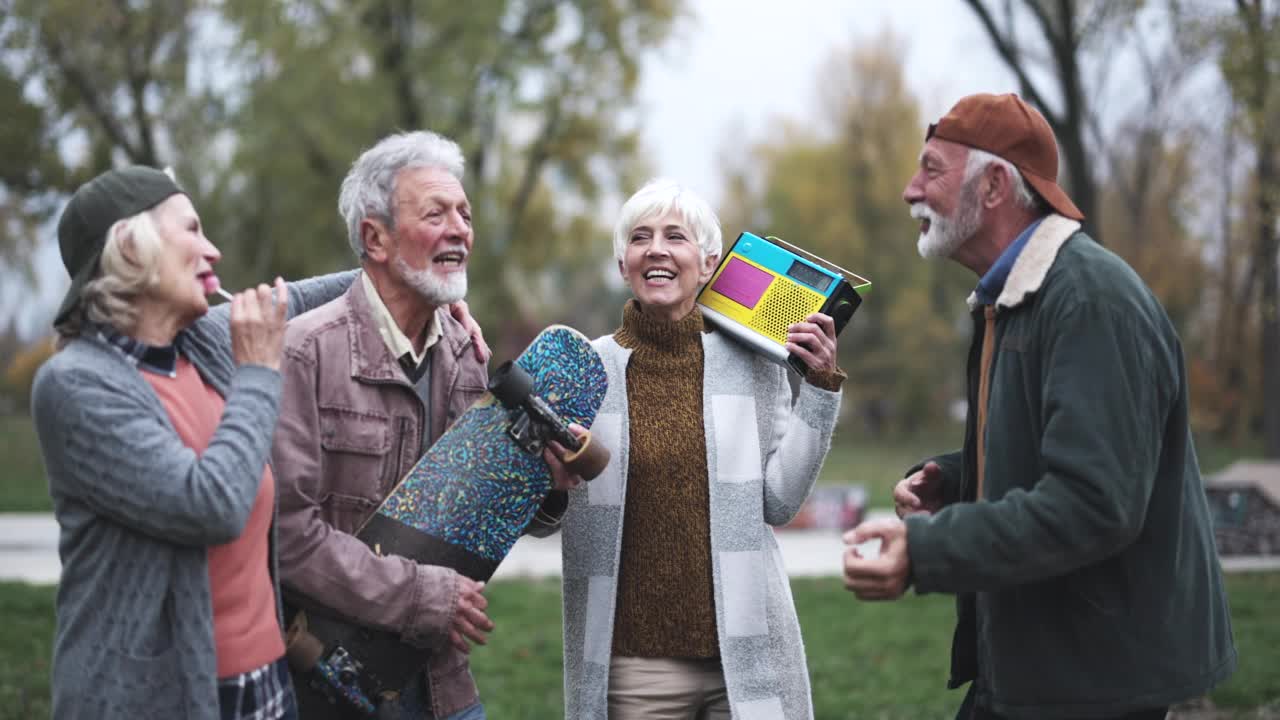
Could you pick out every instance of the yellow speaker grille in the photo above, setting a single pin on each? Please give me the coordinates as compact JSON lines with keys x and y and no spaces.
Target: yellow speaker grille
{"x":784,"y":304}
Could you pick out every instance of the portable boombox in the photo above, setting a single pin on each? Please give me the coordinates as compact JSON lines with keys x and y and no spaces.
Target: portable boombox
{"x":764,"y":285}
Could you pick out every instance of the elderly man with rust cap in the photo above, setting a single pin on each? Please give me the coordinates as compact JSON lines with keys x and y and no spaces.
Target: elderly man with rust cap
{"x":1072,"y":527}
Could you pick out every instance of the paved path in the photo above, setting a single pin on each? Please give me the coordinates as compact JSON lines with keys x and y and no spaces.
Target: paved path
{"x":29,"y":552}
{"x":29,"y":548}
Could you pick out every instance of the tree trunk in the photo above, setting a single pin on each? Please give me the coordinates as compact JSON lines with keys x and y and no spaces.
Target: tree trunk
{"x":1269,"y":300}
{"x":1259,"y":102}
{"x":1058,"y":25}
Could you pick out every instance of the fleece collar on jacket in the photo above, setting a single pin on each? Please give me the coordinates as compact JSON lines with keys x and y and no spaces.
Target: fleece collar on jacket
{"x":1031,"y":267}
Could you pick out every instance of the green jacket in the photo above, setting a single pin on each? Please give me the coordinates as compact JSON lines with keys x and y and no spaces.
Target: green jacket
{"x":1087,"y":578}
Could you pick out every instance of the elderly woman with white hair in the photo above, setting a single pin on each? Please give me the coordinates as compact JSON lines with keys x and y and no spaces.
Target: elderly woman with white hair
{"x":155,"y":420}
{"x":676,"y":602}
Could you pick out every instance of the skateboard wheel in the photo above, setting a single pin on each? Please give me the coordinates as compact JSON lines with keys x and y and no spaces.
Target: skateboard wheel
{"x":511,"y":385}
{"x":302,"y":649}
{"x":589,"y":460}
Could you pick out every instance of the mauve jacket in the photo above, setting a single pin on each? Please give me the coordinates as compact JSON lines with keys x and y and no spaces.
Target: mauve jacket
{"x":350,"y":427}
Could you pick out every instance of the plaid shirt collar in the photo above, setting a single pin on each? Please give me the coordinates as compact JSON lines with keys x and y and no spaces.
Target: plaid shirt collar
{"x":156,"y":359}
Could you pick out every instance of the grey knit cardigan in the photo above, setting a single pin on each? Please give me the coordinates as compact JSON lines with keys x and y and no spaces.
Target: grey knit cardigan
{"x":137,"y":510}
{"x":764,"y":451}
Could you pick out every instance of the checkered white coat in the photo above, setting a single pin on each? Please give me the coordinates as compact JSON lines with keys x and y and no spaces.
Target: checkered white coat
{"x":764,"y":450}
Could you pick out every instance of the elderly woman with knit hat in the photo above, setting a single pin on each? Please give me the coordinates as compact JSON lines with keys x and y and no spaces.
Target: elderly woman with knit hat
{"x":676,"y":603}
{"x":155,"y":420}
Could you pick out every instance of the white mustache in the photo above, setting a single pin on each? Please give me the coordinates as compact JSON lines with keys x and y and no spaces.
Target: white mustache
{"x":921,"y":211}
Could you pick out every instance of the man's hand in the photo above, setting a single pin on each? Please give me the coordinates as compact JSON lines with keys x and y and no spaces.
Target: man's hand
{"x":462,"y":314}
{"x":883,"y":577}
{"x":470,"y":623}
{"x":561,"y":477}
{"x":814,"y":342}
{"x":921,"y":492}
{"x":257,"y":325}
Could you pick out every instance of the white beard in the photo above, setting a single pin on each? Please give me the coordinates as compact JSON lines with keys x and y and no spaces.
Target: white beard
{"x":435,"y":290}
{"x":946,"y":235}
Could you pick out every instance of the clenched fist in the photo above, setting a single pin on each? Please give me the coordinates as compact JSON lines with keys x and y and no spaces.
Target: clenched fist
{"x":257,"y":325}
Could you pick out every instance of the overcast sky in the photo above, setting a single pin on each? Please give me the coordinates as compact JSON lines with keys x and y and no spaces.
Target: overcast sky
{"x":732,"y":67}
{"x":738,"y":63}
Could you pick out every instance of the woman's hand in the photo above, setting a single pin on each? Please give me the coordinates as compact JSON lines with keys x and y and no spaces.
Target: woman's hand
{"x":462,"y":314}
{"x":257,"y":325}
{"x":561,"y":477}
{"x":814,"y":342}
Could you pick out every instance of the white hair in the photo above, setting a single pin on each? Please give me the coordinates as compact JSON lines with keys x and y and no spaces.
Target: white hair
{"x":980,"y":160}
{"x":369,"y":189}
{"x":659,"y":197}
{"x":129,"y":266}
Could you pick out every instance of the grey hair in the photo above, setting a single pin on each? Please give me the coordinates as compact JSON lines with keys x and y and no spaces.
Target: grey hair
{"x":129,"y":266}
{"x":1024,"y":195}
{"x":369,"y":189}
{"x":659,"y":197}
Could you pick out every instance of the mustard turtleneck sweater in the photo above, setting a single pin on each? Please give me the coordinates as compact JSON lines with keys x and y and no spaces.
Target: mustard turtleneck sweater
{"x":666,"y":602}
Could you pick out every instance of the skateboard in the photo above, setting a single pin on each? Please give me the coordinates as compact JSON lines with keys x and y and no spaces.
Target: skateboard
{"x":462,"y":505}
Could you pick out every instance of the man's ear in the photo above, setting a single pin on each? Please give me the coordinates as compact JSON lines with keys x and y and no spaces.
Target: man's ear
{"x":999,"y":186}
{"x":622,"y":271}
{"x":376,"y":240}
{"x":708,"y":268}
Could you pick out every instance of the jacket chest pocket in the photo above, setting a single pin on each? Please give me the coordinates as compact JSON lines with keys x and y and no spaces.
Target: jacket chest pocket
{"x":356,"y":450}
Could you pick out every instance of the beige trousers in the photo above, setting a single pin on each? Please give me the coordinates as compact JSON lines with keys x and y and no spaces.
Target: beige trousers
{"x":666,"y":689}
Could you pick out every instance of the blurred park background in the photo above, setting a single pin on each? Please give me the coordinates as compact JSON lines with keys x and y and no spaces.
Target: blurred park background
{"x":801,"y":119}
{"x":1166,"y":111}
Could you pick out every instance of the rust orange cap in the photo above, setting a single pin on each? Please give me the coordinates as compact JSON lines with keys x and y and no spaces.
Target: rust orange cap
{"x":1006,"y":126}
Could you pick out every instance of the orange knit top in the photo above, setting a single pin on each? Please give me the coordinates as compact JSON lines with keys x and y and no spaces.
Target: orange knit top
{"x":246,"y":632}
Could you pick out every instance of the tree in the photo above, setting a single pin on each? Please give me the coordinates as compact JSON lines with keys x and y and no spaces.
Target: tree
{"x":1067,"y":29}
{"x":1139,"y":160}
{"x":84,"y":85}
{"x":262,"y":106}
{"x":536,"y":93}
{"x":1148,"y":201}
{"x":833,"y":186}
{"x":1250,"y":63}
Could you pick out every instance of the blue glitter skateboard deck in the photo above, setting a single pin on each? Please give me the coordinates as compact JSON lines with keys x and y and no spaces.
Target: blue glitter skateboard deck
{"x":468,"y":500}
{"x":463,"y":505}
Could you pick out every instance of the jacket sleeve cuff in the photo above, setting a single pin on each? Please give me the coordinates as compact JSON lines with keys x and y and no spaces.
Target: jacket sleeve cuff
{"x":921,"y":552}
{"x":432,"y":607}
{"x":950,"y":464}
{"x":549,"y":516}
{"x":829,"y":380}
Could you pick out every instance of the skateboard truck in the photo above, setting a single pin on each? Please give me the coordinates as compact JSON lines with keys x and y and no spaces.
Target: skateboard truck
{"x":335,"y":674}
{"x":533,"y":423}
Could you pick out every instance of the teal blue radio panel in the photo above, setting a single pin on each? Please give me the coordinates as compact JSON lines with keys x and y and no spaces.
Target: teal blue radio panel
{"x":772,"y":257}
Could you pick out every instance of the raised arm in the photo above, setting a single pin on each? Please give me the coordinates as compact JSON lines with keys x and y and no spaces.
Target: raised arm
{"x":801,"y":439}
{"x":109,"y":445}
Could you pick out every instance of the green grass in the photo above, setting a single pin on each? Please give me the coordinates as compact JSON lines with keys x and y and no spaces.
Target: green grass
{"x":880,"y":661}
{"x":520,"y":671}
{"x":22,"y":483}
{"x":26,"y":647}
{"x":884,"y":661}
{"x":1256,"y":626}
{"x":879,"y":464}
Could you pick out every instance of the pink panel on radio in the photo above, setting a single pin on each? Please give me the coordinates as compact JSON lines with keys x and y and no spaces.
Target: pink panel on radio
{"x":742,"y":283}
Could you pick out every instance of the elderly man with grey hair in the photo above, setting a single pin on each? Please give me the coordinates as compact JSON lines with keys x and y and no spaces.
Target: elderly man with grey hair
{"x":1071,"y":526}
{"x":371,"y":380}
